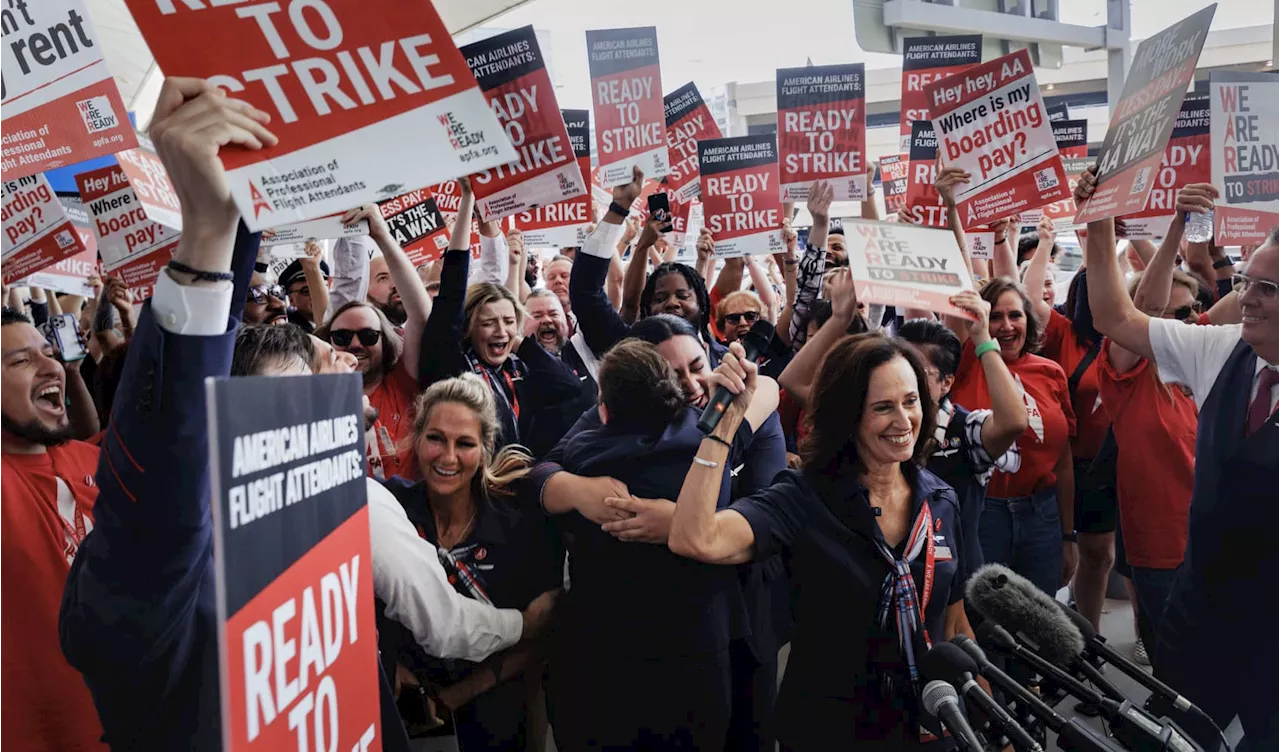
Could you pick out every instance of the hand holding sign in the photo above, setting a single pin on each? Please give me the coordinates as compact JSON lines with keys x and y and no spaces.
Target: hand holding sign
{"x":706,"y":245}
{"x":947,"y":180}
{"x":377,"y":225}
{"x":819,"y":204}
{"x":1087,"y":184}
{"x":627,"y":193}
{"x":979,"y":319}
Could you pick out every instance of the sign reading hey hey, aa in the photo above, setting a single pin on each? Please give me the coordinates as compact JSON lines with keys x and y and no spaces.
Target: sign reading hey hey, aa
{"x":740,"y":194}
{"x":1144,"y":117}
{"x":1245,"y":141}
{"x":626,"y":89}
{"x":906,"y":266}
{"x":61,"y":105}
{"x":513,"y":74}
{"x":822,"y":131}
{"x":294,"y":580}
{"x":369,"y":98}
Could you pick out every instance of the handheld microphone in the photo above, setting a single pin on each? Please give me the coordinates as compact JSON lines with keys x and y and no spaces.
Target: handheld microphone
{"x":756,"y":342}
{"x":1080,"y":736}
{"x":939,"y":699}
{"x":951,"y":664}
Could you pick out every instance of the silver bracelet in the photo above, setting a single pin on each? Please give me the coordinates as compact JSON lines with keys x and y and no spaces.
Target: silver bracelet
{"x":705,"y":463}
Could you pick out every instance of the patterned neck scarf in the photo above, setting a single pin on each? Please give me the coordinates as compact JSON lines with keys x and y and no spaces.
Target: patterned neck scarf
{"x":898,"y":594}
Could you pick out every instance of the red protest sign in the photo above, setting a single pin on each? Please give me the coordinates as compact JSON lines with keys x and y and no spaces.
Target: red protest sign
{"x":416,"y":224}
{"x":1185,"y":161}
{"x":1143,"y":118}
{"x":37,"y":231}
{"x":626,"y":91}
{"x":70,"y":275}
{"x":1072,"y":138}
{"x":822,"y":130}
{"x":924,"y":205}
{"x":61,"y":105}
{"x":688,"y":121}
{"x":448,"y":197}
{"x":148,"y":178}
{"x":740,"y":194}
{"x":990,"y":121}
{"x":1246,"y":153}
{"x":893,"y":181}
{"x":926,"y":60}
{"x":367,"y":97}
{"x":512,"y":73}
{"x":132,"y":245}
{"x":564,"y":223}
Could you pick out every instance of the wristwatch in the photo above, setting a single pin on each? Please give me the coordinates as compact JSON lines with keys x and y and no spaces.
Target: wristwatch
{"x":1070,"y":537}
{"x":618,"y":209}
{"x":1223,"y":263}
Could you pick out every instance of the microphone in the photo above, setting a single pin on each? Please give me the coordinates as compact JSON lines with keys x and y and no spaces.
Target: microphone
{"x":1080,"y":736}
{"x":951,"y":664}
{"x":1135,"y":728}
{"x":1012,"y":601}
{"x":755,"y":342}
{"x":940,"y":701}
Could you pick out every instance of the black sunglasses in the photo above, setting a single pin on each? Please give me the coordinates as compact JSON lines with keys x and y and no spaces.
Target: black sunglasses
{"x":259,"y":293}
{"x":1185,"y":312}
{"x":749,"y":316}
{"x":343,"y":337}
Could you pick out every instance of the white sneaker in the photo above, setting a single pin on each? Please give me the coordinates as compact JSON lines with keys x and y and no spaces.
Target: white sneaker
{"x":1140,"y":656}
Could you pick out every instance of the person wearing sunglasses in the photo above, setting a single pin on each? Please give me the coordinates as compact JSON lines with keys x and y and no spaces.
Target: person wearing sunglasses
{"x":737,"y":313}
{"x":1228,"y":572}
{"x":265,"y":303}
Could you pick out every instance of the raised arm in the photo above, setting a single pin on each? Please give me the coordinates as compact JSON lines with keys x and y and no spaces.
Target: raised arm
{"x":797,"y":377}
{"x":787,"y":264}
{"x":812,"y":264}
{"x":1114,"y":314}
{"x":440,"y":354}
{"x":1004,"y":259}
{"x":495,"y":258}
{"x":634,"y":277}
{"x":945,"y":183}
{"x":764,"y":289}
{"x":316,"y":284}
{"x":598,"y":321}
{"x":413,"y":294}
{"x":515,"y":269}
{"x":730,"y":277}
{"x":1038,"y":269}
{"x":350,"y":272}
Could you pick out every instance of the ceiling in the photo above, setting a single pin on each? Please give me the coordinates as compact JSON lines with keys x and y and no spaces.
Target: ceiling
{"x":139,"y":81}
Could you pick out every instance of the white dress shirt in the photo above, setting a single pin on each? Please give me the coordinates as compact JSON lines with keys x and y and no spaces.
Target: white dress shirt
{"x":1194,"y":355}
{"x":603,"y":242}
{"x":200,"y":311}
{"x":495,"y":261}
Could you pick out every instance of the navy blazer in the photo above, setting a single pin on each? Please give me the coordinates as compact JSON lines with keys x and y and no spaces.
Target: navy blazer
{"x":139,"y":618}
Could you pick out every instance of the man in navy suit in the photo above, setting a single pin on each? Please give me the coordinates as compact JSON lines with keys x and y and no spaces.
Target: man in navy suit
{"x":138,"y":615}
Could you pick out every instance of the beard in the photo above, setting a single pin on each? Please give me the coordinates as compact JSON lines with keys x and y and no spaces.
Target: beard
{"x":394,"y":311}
{"x":559,"y":341}
{"x":36,"y":433}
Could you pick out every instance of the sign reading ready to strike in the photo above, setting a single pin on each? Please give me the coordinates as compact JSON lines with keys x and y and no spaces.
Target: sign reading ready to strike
{"x":626,"y":89}
{"x":298,"y":646}
{"x":688,"y":121}
{"x":1143,"y":118}
{"x":563,"y":223}
{"x":1185,"y":161}
{"x":924,"y":61}
{"x":906,"y":266}
{"x":822,"y":130}
{"x":513,"y":75}
{"x":924,"y":205}
{"x":740,"y":194}
{"x":1246,"y":161}
{"x":61,"y":105}
{"x":991,"y":122}
{"x":368,"y":98}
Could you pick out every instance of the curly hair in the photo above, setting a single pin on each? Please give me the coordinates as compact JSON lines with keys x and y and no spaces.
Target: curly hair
{"x":392,"y":343}
{"x":695,"y":283}
{"x":498,"y":472}
{"x":638,"y":387}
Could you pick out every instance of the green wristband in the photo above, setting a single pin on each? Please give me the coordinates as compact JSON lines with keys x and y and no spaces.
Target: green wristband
{"x":989,"y":346}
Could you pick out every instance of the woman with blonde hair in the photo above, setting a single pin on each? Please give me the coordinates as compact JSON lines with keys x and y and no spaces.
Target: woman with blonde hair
{"x":492,"y":551}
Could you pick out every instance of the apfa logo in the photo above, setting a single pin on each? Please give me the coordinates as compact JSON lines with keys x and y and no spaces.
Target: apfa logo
{"x":259,"y":201}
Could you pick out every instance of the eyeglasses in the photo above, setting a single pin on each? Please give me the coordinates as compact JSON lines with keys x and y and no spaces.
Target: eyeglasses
{"x":1242,"y":283}
{"x":343,"y":337}
{"x":749,"y":316}
{"x":259,"y":293}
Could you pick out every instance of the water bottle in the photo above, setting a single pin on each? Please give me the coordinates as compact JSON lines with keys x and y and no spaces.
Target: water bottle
{"x":1199,"y":227}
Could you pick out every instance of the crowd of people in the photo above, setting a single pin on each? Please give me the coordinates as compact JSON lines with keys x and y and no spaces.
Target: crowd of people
{"x":558,"y":548}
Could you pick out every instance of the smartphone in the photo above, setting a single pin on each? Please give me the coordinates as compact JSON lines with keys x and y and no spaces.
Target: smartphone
{"x":660,"y":209}
{"x":63,"y":332}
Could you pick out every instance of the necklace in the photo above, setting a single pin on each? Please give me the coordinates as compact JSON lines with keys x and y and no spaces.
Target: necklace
{"x":459,"y":536}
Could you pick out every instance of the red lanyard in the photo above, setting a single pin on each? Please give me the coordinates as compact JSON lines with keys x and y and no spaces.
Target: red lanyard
{"x":514,"y":401}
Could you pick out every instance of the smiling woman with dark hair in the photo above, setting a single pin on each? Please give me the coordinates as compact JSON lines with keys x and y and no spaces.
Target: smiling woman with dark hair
{"x":864,"y":520}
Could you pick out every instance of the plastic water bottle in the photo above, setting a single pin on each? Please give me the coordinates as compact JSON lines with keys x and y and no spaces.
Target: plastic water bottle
{"x":1199,"y":227}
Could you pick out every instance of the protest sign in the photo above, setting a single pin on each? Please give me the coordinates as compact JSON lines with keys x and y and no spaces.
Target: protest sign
{"x":1244,"y":140}
{"x":149,"y":180}
{"x":132,"y":245}
{"x":61,"y":105}
{"x":1072,"y":138}
{"x":1143,"y":118}
{"x":694,"y":222}
{"x":294,"y":579}
{"x":688,"y":121}
{"x":626,"y":89}
{"x":906,"y":266}
{"x":990,"y":121}
{"x":563,"y":223}
{"x":893,"y":181}
{"x":37,"y":231}
{"x":982,"y":244}
{"x":740,"y":194}
{"x":417,"y":225}
{"x":367,"y":98}
{"x":1185,"y":161}
{"x":448,"y":197}
{"x":1057,"y":112}
{"x":822,"y":130}
{"x":924,"y":61}
{"x":512,"y":73}
{"x":924,"y":205}
{"x":70,"y":275}
{"x":290,"y":241}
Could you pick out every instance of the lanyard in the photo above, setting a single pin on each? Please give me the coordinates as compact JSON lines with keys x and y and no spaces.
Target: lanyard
{"x":512,"y":404}
{"x":458,"y":572}
{"x":898,"y":593}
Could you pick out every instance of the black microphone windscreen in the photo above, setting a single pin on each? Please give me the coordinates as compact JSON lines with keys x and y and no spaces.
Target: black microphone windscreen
{"x":1014,"y":603}
{"x":1075,"y":617}
{"x":949,"y":663}
{"x":757,"y":341}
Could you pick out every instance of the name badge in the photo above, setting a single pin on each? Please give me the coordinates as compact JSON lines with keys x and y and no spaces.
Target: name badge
{"x":942,"y":553}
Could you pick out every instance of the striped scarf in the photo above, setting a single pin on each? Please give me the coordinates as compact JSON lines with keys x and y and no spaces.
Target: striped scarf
{"x":898,"y":594}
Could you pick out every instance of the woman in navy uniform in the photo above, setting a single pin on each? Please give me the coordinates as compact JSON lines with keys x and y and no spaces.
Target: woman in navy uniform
{"x":872,"y":539}
{"x":492,"y":552}
{"x":1228,"y":574}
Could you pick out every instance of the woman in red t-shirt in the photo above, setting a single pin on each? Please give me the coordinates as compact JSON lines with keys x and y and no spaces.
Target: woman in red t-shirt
{"x":1027,"y":519}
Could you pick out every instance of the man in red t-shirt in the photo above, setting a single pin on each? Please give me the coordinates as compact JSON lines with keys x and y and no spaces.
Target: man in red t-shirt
{"x":47,"y":500}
